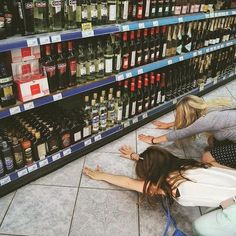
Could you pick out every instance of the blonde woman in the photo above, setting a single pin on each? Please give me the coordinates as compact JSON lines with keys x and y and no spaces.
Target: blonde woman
{"x":194,"y":116}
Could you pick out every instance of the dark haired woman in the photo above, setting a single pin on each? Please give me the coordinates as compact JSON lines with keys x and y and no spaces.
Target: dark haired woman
{"x":189,"y":182}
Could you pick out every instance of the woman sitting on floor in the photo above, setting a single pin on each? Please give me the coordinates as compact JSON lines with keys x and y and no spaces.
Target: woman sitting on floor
{"x":187,"y":181}
{"x":194,"y":116}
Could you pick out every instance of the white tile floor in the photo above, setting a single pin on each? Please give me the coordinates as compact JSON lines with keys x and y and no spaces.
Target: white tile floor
{"x":67,"y":203}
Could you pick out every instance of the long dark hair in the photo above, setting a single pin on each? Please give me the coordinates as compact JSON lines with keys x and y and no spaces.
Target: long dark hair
{"x":163,"y":171}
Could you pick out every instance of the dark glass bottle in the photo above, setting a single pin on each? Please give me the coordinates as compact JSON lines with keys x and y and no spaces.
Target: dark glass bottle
{"x":163,"y":87}
{"x":139,"y":48}
{"x":133,"y":100}
{"x":17,"y":154}
{"x":147,"y":9}
{"x":157,"y":44}
{"x":99,"y":61}
{"x":84,"y":11}
{"x":132,"y":46}
{"x":108,"y":57}
{"x":152,"y":89}
{"x":41,"y":20}
{"x":117,"y":54}
{"x":146,"y":93}
{"x":39,"y":147}
{"x":65,"y":135}
{"x":8,"y":19}
{"x":70,"y":14}
{"x":146,"y":52}
{"x":160,"y":8}
{"x":126,"y":101}
{"x":71,"y":64}
{"x":90,"y":63}
{"x":94,"y":12}
{"x":140,"y":10}
{"x":125,"y":52}
{"x":163,"y":42}
{"x":104,"y":12}
{"x":56,"y":14}
{"x":166,"y":8}
{"x":27,"y":151}
{"x":140,"y":99}
{"x":7,"y":157}
{"x":52,"y":142}
{"x":153,"y":8}
{"x":81,"y":65}
{"x":152,"y":46}
{"x":3,"y":33}
{"x":187,"y":42}
{"x":158,"y":89}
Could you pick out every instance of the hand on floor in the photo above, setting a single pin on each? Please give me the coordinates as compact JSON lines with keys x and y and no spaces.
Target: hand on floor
{"x":161,"y":125}
{"x":146,"y":138}
{"x":96,"y":174}
{"x":126,"y":151}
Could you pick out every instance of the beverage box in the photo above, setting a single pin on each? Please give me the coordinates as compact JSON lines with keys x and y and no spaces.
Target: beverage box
{"x":31,"y":87}
{"x":25,"y":54}
{"x":26,"y":68}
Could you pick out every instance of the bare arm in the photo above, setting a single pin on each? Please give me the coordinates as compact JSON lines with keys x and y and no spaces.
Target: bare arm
{"x":163,"y":125}
{"x":151,"y":139}
{"x":117,"y":180}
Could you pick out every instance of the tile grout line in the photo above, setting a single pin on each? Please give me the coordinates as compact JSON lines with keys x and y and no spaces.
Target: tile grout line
{"x":76,"y":198}
{"x":53,"y":185}
{"x":138,"y":216}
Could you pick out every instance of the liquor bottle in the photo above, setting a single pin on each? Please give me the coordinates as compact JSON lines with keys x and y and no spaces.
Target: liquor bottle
{"x":117,"y":54}
{"x":192,"y":6}
{"x":52,"y":141}
{"x":140,"y":99}
{"x":118,"y":107}
{"x":169,"y":43}
{"x":139,"y":48}
{"x":146,"y":93}
{"x":94,"y":12}
{"x":197,"y":6}
{"x":187,"y":41}
{"x":99,"y":61}
{"x":8,"y":19}
{"x":102,"y":114}
{"x":87,"y":117}
{"x":166,"y":8}
{"x":172,"y":7}
{"x":70,"y":9}
{"x":152,"y":45}
{"x":147,"y":9}
{"x":50,"y":69}
{"x":17,"y":154}
{"x":56,"y":15}
{"x":61,"y":68}
{"x":71,"y":64}
{"x":132,"y":49}
{"x":158,"y":89}
{"x":76,"y":128}
{"x":7,"y":157}
{"x":27,"y":151}
{"x":112,"y":11}
{"x":41,"y":21}
{"x":133,"y":100}
{"x":123,"y":10}
{"x":90,"y":63}
{"x":39,"y":147}
{"x":178,"y":7}
{"x":126,"y":101}
{"x":157,"y":44}
{"x":179,"y":45}
{"x":163,"y":87}
{"x":164,"y":42}
{"x":146,"y":52}
{"x":103,"y":12}
{"x":185,"y":7}
{"x":169,"y":91}
{"x":3,"y":33}
{"x":160,"y":8}
{"x":78,"y":17}
{"x":153,"y":8}
{"x":94,"y":117}
{"x":81,"y":65}
{"x":108,"y":57}
{"x":152,"y":90}
{"x":125,"y":52}
{"x":2,"y":170}
{"x":174,"y":41}
{"x":140,"y":10}
{"x":65,"y":138}
{"x":133,"y":7}
{"x":84,"y":11}
{"x":111,"y":115}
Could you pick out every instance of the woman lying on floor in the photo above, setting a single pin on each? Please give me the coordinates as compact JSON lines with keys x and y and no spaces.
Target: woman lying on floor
{"x":189,"y":182}
{"x":194,"y":116}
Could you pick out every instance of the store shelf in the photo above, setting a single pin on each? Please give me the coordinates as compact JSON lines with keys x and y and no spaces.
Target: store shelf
{"x":54,"y":37}
{"x":174,"y":20}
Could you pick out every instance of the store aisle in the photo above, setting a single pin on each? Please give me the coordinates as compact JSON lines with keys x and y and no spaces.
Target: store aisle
{"x":66,"y":203}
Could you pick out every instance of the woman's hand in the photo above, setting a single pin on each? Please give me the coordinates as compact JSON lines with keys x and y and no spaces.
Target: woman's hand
{"x":126,"y":151}
{"x":162,"y":125}
{"x":146,"y":138}
{"x":96,"y":174}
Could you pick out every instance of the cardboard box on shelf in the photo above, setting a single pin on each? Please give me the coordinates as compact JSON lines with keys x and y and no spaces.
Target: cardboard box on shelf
{"x":25,"y":54}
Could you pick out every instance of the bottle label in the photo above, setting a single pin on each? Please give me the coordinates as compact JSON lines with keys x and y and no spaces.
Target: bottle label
{"x":202,"y":7}
{"x":146,"y":55}
{"x":133,"y":58}
{"x":61,"y":68}
{"x":125,"y":10}
{"x":51,"y":71}
{"x":126,"y":115}
{"x":206,"y":43}
{"x":108,"y":65}
{"x":163,"y":98}
{"x":196,"y":8}
{"x":158,"y":97}
{"x":77,"y":136}
{"x":6,"y":92}
{"x":41,"y":148}
{"x":152,"y":56}
{"x":118,"y":62}
{"x":192,"y":9}
{"x":52,"y":144}
{"x":72,"y":4}
{"x":112,"y":12}
{"x":177,"y":10}
{"x":5,"y":80}
{"x":125,"y":62}
{"x":134,"y":11}
{"x":1,"y":168}
{"x":147,"y":9}
{"x":18,"y":158}
{"x":153,"y":101}
{"x":140,"y":12}
{"x":103,"y":120}
{"x":160,"y":9}
{"x":153,"y":11}
{"x":146,"y":104}
{"x":188,"y":46}
{"x":179,"y":49}
{"x":164,"y":50}
{"x":9,"y":163}
{"x":87,"y":131}
{"x":184,"y":9}
{"x":94,"y":11}
{"x":95,"y":123}
{"x":81,"y":70}
{"x":92,"y":69}
{"x":84,"y":13}
{"x":140,"y":105}
{"x":119,"y":113}
{"x":111,"y":116}
{"x":2,"y":22}
{"x":104,"y":10}
{"x":57,"y":5}
{"x":101,"y":66}
{"x":167,"y":9}
{"x":157,"y":51}
{"x":73,"y":65}
{"x":8,"y":18}
{"x":133,"y":110}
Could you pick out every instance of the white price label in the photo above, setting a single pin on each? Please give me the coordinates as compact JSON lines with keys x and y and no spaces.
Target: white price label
{"x":140,"y":71}
{"x":201,"y":87}
{"x":14,"y":110}
{"x":155,"y":23}
{"x":169,"y":62}
{"x":126,"y":124}
{"x":67,"y":152}
{"x":87,"y":142}
{"x":32,"y":42}
{"x":57,"y":97}
{"x":28,"y":106}
{"x":44,"y":40}
{"x":207,"y":16}
{"x":211,"y":49}
{"x":125,"y":27}
{"x":222,"y":45}
{"x":181,"y":19}
{"x":57,"y":156}
{"x":181,"y":58}
{"x":212,"y":15}
{"x":233,"y":12}
{"x":174,"y":101}
{"x":56,"y":38}
{"x":87,"y":33}
{"x":128,"y":75}
{"x":199,"y":52}
{"x":215,"y":79}
{"x":218,"y":46}
{"x":135,"y":120}
{"x":43,"y":163}
{"x":224,"y":77}
{"x":195,"y":54}
{"x":207,"y":50}
{"x":141,"y":25}
{"x":231,"y":74}
{"x":215,"y":48}
{"x":145,"y":115}
{"x":97,"y":137}
{"x":119,"y":77}
{"x":226,"y":13}
{"x":5,"y":180}
{"x":22,"y":172}
{"x":32,"y":168}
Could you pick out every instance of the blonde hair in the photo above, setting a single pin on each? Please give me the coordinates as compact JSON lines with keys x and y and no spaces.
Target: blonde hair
{"x":191,"y":107}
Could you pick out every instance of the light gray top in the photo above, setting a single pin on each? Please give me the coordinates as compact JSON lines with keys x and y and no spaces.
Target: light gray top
{"x":221,"y":123}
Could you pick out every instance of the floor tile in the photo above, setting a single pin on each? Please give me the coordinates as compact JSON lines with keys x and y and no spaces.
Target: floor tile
{"x":153,"y":220}
{"x":4,"y":204}
{"x":105,"y":213}
{"x":232,"y":88}
{"x":68,"y":175}
{"x":221,"y":92}
{"x":109,"y":162}
{"x":40,"y":210}
{"x":129,"y":139}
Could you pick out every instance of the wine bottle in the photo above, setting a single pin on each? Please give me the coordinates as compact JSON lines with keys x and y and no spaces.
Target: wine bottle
{"x":123,"y":10}
{"x":17,"y":154}
{"x":112,"y":11}
{"x":152,"y":45}
{"x":99,"y":61}
{"x":133,"y":100}
{"x":102,"y":115}
{"x":87,"y":118}
{"x":126,"y":101}
{"x":9,"y":24}
{"x":56,"y":14}
{"x":178,"y":7}
{"x":146,"y":52}
{"x":140,"y":10}
{"x":153,"y":8}
{"x":70,"y":17}
{"x":84,"y":11}
{"x":118,"y":107}
{"x":166,"y":8}
{"x":157,"y":44}
{"x":117,"y":54}
{"x":7,"y":157}
{"x":93,"y":12}
{"x":95,"y":117}
{"x":103,"y":13}
{"x":3,"y":33}
{"x":152,"y":89}
{"x":160,"y":9}
{"x":140,"y":98}
{"x":158,"y":89}
{"x":71,"y":64}
{"x":147,"y":9}
{"x":163,"y":41}
{"x":187,"y":42}
{"x":125,"y":52}
{"x":39,"y":147}
{"x":146,"y":93}
{"x":169,"y":43}
{"x":139,"y":48}
{"x":108,"y":56}
{"x":132,"y":54}
{"x":27,"y":151}
{"x":81,"y":65}
{"x":111,"y":115}
{"x":90,"y":63}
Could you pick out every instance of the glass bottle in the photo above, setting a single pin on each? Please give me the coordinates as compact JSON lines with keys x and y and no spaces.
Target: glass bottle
{"x":71,"y":64}
{"x":125,"y":52}
{"x":95,"y":117}
{"x":126,"y":101}
{"x":108,"y":56}
{"x":8,"y":15}
{"x":99,"y":60}
{"x":103,"y":12}
{"x":56,"y":10}
{"x":17,"y":154}
{"x":132,"y":46}
{"x":39,"y":147}
{"x":27,"y":151}
{"x":133,"y":100}
{"x":117,"y":54}
{"x":112,"y":11}
{"x":71,"y":6}
{"x":111,"y":115}
{"x":87,"y":116}
{"x":7,"y":157}
{"x":81,"y":65}
{"x":90,"y":63}
{"x":102,"y":115}
{"x":41,"y":20}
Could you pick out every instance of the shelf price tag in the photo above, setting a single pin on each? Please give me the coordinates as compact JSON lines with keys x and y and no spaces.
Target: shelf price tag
{"x":212,"y":15}
{"x":56,"y":38}
{"x":87,"y":142}
{"x":195,"y":54}
{"x":180,"y":19}
{"x":22,"y":172}
{"x":215,"y":79}
{"x":201,"y":87}
{"x":175,"y":101}
{"x":43,"y":163}
{"x":140,"y":71}
{"x":67,"y":152}
{"x":32,"y":168}
{"x":224,"y":77}
{"x":222,"y":45}
{"x":155,"y":23}
{"x":14,"y":110}
{"x":218,"y":46}
{"x":126,"y":124}
{"x":44,"y":40}
{"x":207,"y":50}
{"x":128,"y":75}
{"x":169,"y":62}
{"x":233,"y":12}
{"x":141,"y":25}
{"x":145,"y":115}
{"x":5,"y":180}
{"x":57,"y":97}
{"x":181,"y":58}
{"x":125,"y":27}
{"x":57,"y":156}
{"x":28,"y":106}
{"x":97,"y":137}
{"x":135,"y":120}
{"x":119,"y":77}
{"x":32,"y":42}
{"x":199,"y":52}
{"x":87,"y":30}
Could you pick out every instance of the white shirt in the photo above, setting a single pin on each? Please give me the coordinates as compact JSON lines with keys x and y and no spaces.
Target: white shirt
{"x":209,"y":187}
